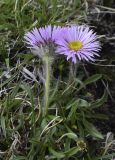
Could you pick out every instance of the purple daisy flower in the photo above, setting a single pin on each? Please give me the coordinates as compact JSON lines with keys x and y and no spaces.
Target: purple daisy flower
{"x":42,"y":36}
{"x":78,"y":43}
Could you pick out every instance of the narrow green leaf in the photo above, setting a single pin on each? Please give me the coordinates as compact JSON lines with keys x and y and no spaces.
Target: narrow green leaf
{"x":83,"y":103}
{"x":71,"y":151}
{"x":105,"y":157}
{"x":55,"y":89}
{"x":14,"y":91}
{"x":69,"y":135}
{"x":81,"y":129}
{"x":100,"y":101}
{"x":57,"y":154}
{"x":9,"y":79}
{"x":92,"y":79}
{"x":19,"y":158}
{"x":92,"y":129}
{"x":3,"y":125}
{"x":7,"y":62}
{"x":30,"y":94}
{"x":29,"y":91}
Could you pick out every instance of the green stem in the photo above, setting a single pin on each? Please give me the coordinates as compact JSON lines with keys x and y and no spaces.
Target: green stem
{"x":47,"y":61}
{"x":73,"y":70}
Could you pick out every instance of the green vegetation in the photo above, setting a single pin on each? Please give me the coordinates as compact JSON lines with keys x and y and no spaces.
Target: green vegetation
{"x":75,"y":125}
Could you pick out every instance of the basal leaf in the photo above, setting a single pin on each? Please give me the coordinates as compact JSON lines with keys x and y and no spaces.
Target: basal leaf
{"x":92,"y":129}
{"x":92,"y":79}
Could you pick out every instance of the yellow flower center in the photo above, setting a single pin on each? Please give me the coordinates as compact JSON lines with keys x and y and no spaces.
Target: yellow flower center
{"x":75,"y":45}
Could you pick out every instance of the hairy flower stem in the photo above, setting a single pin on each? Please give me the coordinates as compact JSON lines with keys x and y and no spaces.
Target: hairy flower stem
{"x":72,"y":72}
{"x":47,"y":63}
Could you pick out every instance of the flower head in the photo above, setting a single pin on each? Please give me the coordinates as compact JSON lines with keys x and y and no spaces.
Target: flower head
{"x":42,"y":36}
{"x":78,"y":42}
